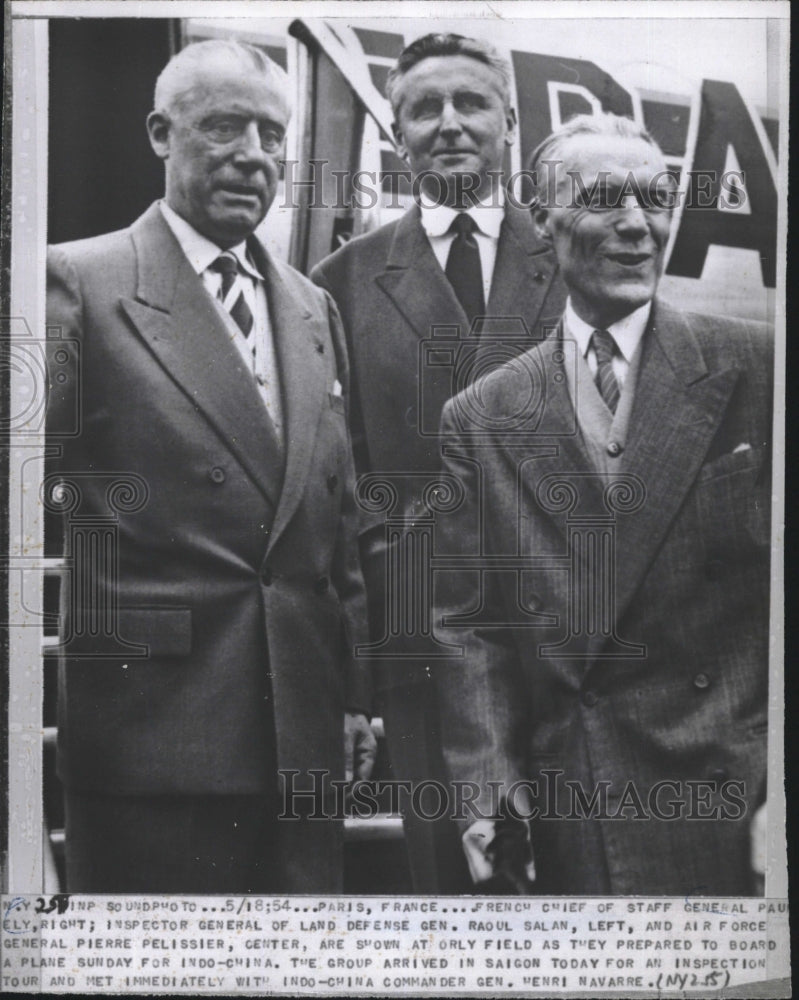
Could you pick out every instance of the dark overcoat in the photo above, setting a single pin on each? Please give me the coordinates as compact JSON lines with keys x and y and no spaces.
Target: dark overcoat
{"x":411,"y":348}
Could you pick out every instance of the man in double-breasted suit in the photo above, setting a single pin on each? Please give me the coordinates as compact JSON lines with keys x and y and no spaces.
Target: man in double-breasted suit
{"x":212,"y":389}
{"x":608,"y":567}
{"x":453,"y":123}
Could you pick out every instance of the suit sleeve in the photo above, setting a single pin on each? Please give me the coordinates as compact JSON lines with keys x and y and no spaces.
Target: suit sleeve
{"x":357,"y":430}
{"x":347,"y":575}
{"x":481,"y":693}
{"x":64,"y":330}
{"x":371,"y":527}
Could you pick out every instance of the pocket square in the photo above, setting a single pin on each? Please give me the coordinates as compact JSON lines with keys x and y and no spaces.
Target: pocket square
{"x":743,"y":446}
{"x":336,"y":387}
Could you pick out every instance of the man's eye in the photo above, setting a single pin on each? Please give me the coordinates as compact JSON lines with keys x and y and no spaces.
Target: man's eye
{"x":224,"y":131}
{"x":604,"y":199}
{"x":594,"y":198}
{"x":426,"y":109}
{"x":469,"y":102}
{"x":662,"y":197}
{"x":271,"y":139}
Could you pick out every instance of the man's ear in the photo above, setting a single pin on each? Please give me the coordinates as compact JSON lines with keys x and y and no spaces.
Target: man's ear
{"x":510,"y":123}
{"x":541,"y":220}
{"x":158,"y":125}
{"x":402,"y":151}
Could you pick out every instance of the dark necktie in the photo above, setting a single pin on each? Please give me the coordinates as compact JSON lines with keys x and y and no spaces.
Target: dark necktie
{"x":463,"y":266}
{"x":605,"y":347}
{"x":231,"y":294}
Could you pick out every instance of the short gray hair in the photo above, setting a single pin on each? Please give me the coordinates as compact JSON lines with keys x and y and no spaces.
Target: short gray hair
{"x":606,"y":124}
{"x":447,"y":44}
{"x":172,"y":84}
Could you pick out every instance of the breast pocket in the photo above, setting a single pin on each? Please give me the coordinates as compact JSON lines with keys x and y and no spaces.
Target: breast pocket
{"x":337,"y":403}
{"x":733,"y":496}
{"x":748,"y":459}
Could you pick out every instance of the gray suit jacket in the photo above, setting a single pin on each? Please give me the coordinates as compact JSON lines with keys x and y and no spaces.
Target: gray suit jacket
{"x":616,"y":638}
{"x":238,"y":582}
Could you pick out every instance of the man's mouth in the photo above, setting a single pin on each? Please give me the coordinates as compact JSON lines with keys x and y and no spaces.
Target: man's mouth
{"x":243,"y":190}
{"x":630,"y":259}
{"x":453,"y":152}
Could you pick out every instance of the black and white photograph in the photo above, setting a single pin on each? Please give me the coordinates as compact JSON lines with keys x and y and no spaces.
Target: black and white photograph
{"x":394,"y":402}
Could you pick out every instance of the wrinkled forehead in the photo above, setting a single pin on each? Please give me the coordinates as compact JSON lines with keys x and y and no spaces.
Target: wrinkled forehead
{"x":446,"y":75}
{"x":226,"y":81}
{"x":608,"y":158}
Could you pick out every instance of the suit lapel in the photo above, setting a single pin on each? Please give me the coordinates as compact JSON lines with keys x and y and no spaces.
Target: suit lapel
{"x":558,"y":489}
{"x":414,"y":281}
{"x":300,"y":345}
{"x":523,"y":273}
{"x":557,"y":426}
{"x":677,"y":410}
{"x":178,"y":321}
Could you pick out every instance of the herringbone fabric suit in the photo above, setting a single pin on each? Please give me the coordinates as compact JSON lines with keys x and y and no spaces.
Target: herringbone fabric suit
{"x":685,"y":700}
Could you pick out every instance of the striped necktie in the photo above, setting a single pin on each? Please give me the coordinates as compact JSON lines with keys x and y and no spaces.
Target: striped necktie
{"x":605,"y":347}
{"x":231,"y":293}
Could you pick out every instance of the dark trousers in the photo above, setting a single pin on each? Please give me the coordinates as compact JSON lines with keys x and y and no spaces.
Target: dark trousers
{"x":202,"y":844}
{"x":435,"y":853}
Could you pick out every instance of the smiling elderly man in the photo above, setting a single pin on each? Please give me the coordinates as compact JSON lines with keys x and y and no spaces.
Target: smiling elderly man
{"x":216,"y":376}
{"x":613,"y":687}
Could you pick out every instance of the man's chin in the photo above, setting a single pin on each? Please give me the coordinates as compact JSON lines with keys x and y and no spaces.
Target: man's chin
{"x":233,"y":228}
{"x":623,"y":304}
{"x":618,"y":302}
{"x":632,"y":294}
{"x":452,"y":184}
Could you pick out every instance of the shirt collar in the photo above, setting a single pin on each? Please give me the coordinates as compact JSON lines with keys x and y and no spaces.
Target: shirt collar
{"x":200,"y":251}
{"x":487,"y":214}
{"x":627,"y":331}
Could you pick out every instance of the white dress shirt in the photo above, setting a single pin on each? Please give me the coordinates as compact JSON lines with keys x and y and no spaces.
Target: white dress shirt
{"x":627,"y":333}
{"x":487,"y":214}
{"x":262,"y":362}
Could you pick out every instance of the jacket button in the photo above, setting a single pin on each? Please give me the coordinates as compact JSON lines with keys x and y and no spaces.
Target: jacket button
{"x":321,"y":585}
{"x":590,"y":698}
{"x":533,"y":602}
{"x":719,"y":775}
{"x":217,"y":475}
{"x":266,"y":576}
{"x":614,"y":449}
{"x":701,"y":682}
{"x":332,"y":483}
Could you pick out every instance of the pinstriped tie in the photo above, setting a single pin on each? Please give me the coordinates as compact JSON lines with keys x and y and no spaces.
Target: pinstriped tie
{"x":231,"y":294}
{"x":605,"y":347}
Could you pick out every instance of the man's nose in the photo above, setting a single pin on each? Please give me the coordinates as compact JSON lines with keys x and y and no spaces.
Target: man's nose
{"x":249,"y":147}
{"x":631,"y":221}
{"x":450,"y":119}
